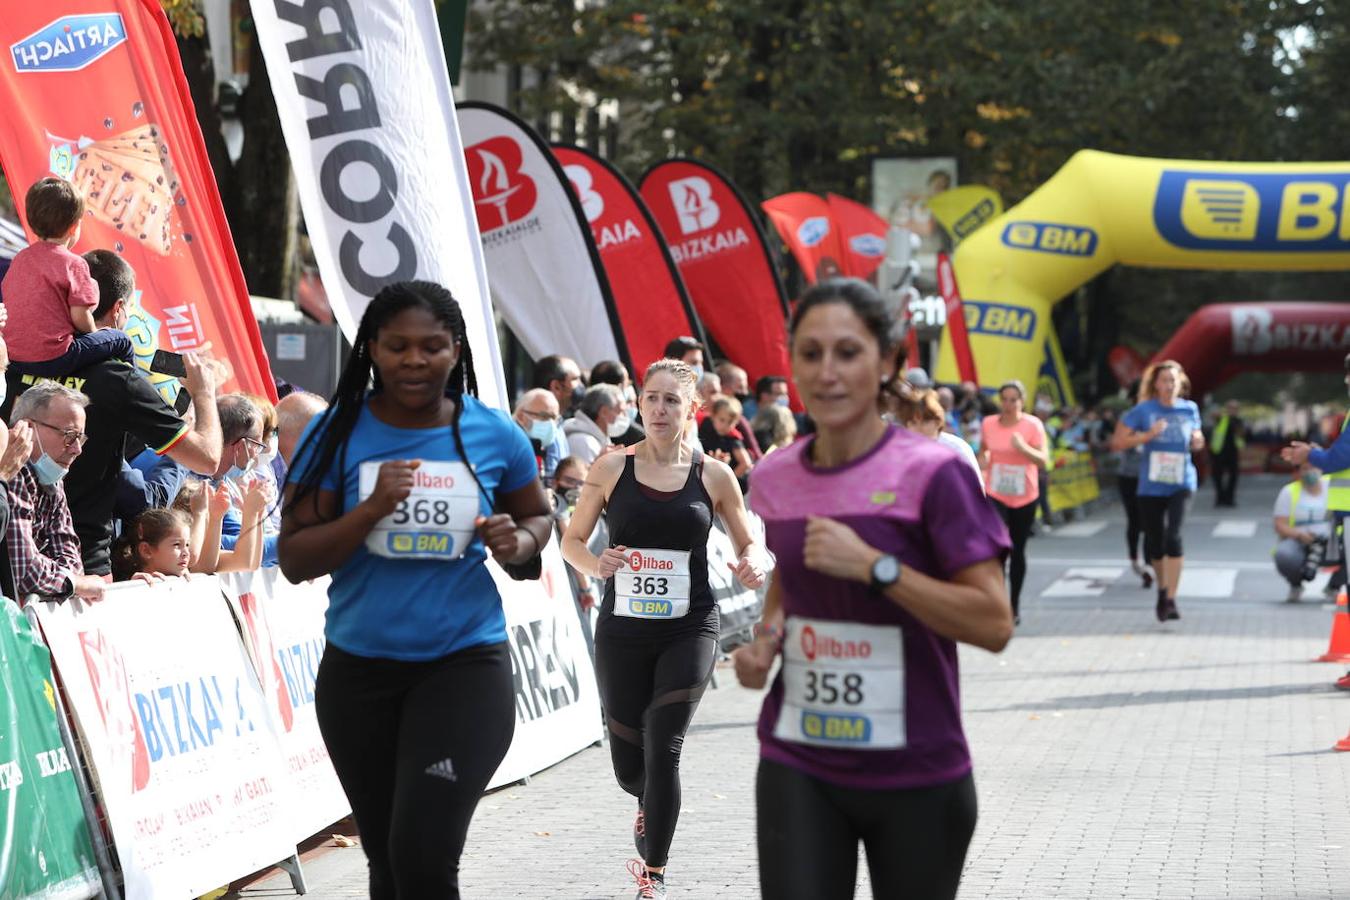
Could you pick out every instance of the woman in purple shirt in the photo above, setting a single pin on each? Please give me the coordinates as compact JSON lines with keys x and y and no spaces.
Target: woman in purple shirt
{"x":899,"y":557}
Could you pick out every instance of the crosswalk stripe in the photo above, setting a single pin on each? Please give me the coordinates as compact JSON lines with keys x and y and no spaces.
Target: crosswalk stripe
{"x":1080,"y":529}
{"x":1084,"y":582}
{"x":1207,"y":582}
{"x":1235,"y":528}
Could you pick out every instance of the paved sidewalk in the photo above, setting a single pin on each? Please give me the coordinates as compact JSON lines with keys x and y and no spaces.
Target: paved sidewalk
{"x":1115,"y":757}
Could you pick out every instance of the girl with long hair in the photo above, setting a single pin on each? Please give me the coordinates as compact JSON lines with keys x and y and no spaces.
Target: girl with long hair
{"x":393,"y":492}
{"x":1166,"y":427}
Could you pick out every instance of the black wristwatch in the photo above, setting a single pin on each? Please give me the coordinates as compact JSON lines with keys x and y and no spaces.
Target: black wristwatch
{"x":885,"y":572}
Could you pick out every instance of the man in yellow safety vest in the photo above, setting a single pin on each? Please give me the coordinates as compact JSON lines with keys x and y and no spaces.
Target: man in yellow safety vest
{"x":1335,"y":461}
{"x":1225,"y":449}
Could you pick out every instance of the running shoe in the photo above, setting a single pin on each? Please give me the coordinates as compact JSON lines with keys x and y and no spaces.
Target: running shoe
{"x":1295,"y":593}
{"x":1172,"y":612}
{"x":1144,"y":574}
{"x":1344,"y":682}
{"x":650,"y":885}
{"x":1161,"y":609}
{"x":640,"y":833}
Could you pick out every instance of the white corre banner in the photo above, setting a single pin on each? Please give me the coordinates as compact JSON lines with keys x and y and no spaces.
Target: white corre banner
{"x":369,"y":119}
{"x":282,"y":625}
{"x":557,"y":702}
{"x":187,"y":764}
{"x":547,"y":280}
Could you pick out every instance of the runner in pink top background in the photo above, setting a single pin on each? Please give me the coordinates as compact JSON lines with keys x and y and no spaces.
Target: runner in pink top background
{"x":1012,"y":449}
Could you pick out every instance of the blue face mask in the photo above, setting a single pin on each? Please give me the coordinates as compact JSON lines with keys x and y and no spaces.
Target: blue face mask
{"x":237,"y":472}
{"x":48,"y":470}
{"x":698,"y":372}
{"x":782,"y":401}
{"x":544,"y":432}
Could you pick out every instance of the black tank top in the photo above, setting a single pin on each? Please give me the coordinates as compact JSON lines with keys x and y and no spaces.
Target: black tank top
{"x":641,"y":517}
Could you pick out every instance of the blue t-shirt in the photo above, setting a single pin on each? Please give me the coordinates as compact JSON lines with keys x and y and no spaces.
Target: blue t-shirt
{"x":420,"y":609}
{"x":1165,"y":466}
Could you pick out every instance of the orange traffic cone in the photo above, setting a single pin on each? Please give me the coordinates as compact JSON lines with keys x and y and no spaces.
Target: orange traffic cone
{"x":1338,"y":650}
{"x":1343,"y":744}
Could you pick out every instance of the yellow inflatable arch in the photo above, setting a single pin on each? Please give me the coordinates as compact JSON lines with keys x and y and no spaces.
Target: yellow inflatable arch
{"x":1102,"y":209}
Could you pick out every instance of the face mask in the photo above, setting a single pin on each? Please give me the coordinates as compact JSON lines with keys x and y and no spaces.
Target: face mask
{"x":744,"y":398}
{"x":698,"y":372}
{"x":48,"y":470}
{"x":783,"y":401}
{"x":237,"y":472}
{"x":265,"y":458}
{"x":544,"y":432}
{"x":619,"y":427}
{"x":577,"y":393}
{"x":1311,"y":478}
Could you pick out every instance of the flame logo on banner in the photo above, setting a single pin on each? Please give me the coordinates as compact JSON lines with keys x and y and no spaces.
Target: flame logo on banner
{"x":592,"y":204}
{"x":694,"y":205}
{"x":112,"y":693}
{"x":502,"y":193}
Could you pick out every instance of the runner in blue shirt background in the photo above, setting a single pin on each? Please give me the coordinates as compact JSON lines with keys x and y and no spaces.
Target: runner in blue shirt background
{"x":1166,"y":426}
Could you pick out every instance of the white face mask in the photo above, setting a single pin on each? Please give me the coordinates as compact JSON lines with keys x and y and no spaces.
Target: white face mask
{"x":619,"y":427}
{"x":266,"y":457}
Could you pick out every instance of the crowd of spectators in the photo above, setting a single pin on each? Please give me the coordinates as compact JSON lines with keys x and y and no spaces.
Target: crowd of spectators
{"x":103,"y":478}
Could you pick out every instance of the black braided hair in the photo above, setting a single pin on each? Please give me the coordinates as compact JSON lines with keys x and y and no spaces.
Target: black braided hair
{"x":360,"y":375}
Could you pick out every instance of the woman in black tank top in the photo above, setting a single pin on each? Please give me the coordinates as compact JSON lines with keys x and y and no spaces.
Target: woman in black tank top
{"x":656,"y":641}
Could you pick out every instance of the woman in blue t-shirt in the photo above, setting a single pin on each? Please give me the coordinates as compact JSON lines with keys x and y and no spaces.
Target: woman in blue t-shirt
{"x":1166,"y":427}
{"x":393,"y":492}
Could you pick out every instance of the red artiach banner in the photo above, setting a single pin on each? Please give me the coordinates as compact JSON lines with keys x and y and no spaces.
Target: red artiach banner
{"x":95,"y":94}
{"x":649,"y":296}
{"x":724,"y":260}
{"x":804,"y":223}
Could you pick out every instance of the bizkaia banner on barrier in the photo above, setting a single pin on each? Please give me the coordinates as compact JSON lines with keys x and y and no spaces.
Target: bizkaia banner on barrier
{"x":99,"y":98}
{"x":725,"y":262}
{"x":282,"y":625}
{"x":188,"y":764}
{"x":862,"y":234}
{"x":369,"y":120}
{"x":804,"y":223}
{"x":557,"y":702}
{"x":649,"y":295}
{"x":544,"y":267}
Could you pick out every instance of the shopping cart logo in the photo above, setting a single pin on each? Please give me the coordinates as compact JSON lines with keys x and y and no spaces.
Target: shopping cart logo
{"x":1259,"y":212}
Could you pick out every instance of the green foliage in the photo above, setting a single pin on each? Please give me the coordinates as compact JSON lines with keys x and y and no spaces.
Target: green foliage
{"x":795,"y":95}
{"x":185,"y":16}
{"x":788,"y":94}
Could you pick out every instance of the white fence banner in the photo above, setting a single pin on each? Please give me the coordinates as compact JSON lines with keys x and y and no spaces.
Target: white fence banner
{"x":282,"y":625}
{"x":369,"y":119}
{"x":186,"y":760}
{"x":557,"y":703}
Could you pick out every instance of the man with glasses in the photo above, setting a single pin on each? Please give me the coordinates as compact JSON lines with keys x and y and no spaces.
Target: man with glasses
{"x":241,"y":424}
{"x":537,"y":412}
{"x":43,"y":550}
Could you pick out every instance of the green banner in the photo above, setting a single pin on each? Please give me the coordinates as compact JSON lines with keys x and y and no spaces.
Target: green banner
{"x":45,"y":850}
{"x":452,"y":15}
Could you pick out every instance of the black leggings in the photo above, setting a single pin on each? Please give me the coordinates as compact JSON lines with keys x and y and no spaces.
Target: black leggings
{"x":650,"y":690}
{"x":1134,"y":528}
{"x":414,"y":745}
{"x":1019,"y":521}
{"x":1162,"y":524}
{"x":915,"y":838}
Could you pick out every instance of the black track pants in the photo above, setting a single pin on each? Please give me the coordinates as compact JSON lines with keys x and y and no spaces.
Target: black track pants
{"x":1163,"y":518}
{"x":1019,"y":521}
{"x":650,"y":689}
{"x":414,"y":745}
{"x":915,"y":838}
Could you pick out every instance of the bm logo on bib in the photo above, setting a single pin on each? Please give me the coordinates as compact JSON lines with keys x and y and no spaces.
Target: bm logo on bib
{"x":651,"y":608}
{"x":1304,"y":212}
{"x":418,"y":542}
{"x":841,"y":727}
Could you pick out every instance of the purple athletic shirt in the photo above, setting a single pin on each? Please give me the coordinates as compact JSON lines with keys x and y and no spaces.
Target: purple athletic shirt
{"x":912,"y":497}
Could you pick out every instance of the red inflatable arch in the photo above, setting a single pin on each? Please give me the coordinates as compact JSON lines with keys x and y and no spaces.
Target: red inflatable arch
{"x":1226,"y":339}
